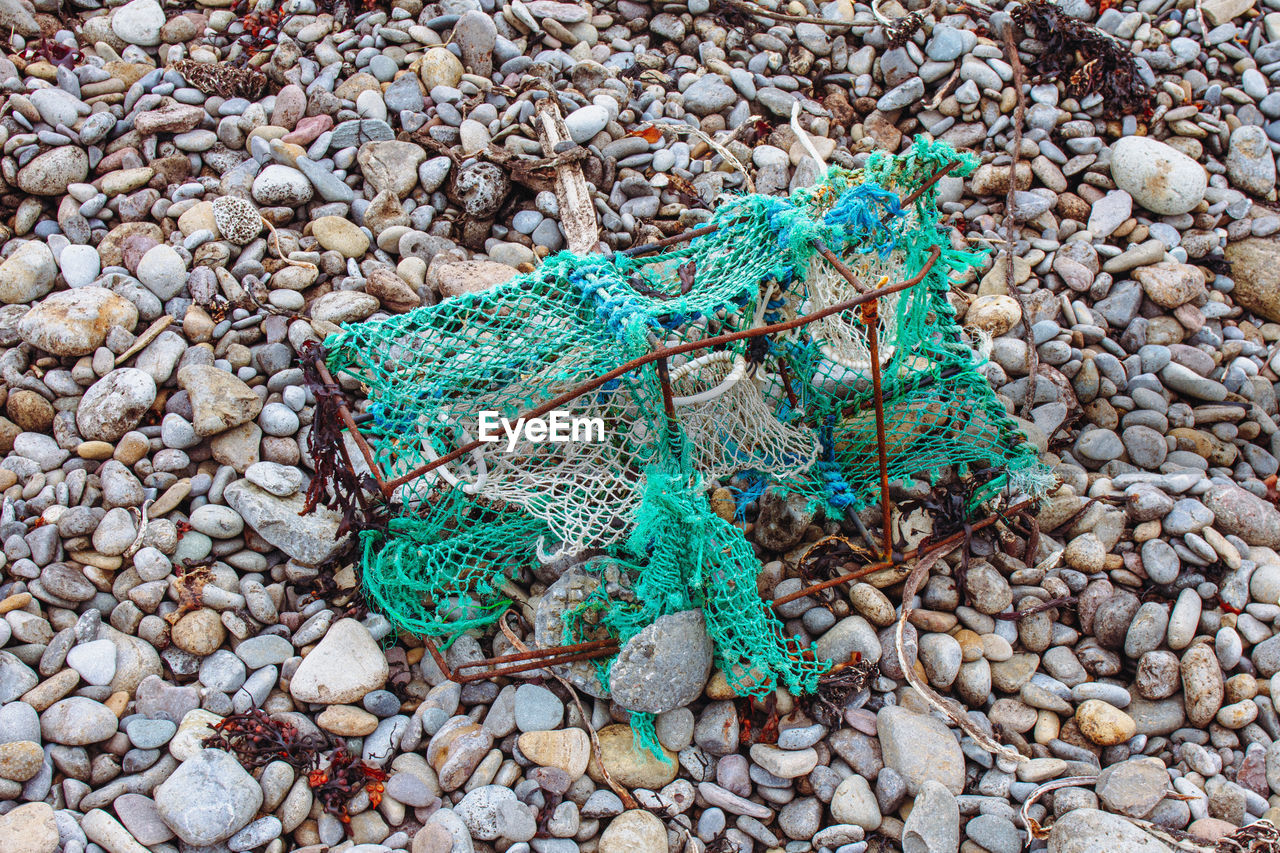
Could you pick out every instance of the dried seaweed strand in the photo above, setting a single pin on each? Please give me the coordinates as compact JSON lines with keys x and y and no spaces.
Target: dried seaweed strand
{"x":761,"y":12}
{"x":1259,"y":837}
{"x":220,"y":78}
{"x":1011,"y":229}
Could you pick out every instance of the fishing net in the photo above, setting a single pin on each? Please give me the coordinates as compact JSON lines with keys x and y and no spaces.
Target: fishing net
{"x":793,"y":410}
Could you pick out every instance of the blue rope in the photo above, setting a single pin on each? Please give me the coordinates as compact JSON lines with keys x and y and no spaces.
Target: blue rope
{"x":839,"y":493}
{"x":859,"y":215}
{"x":756,"y":484}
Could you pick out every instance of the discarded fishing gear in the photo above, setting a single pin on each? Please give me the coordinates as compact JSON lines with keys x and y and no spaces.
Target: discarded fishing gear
{"x":733,"y":349}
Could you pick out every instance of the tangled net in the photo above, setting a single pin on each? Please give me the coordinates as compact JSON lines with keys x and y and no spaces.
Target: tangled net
{"x":794,"y":410}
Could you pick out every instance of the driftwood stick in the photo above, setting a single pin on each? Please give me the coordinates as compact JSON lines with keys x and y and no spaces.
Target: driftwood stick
{"x":577,"y":210}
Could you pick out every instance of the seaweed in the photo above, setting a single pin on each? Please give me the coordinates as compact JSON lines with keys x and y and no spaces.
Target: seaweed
{"x":901,"y":30}
{"x":335,"y":785}
{"x":53,"y":52}
{"x":256,"y":740}
{"x":1091,"y":62}
{"x":835,"y":689}
{"x":333,"y":470}
{"x":223,"y":79}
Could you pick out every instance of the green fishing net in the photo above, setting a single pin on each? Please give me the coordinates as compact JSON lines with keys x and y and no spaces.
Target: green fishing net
{"x":793,"y":410}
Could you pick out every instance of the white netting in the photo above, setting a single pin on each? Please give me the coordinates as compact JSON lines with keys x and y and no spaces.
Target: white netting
{"x":731,"y":424}
{"x":843,"y":337}
{"x":580,"y":487}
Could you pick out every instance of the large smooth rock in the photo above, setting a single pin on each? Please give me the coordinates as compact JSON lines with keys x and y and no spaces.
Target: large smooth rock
{"x":920,"y":748}
{"x":934,"y":823}
{"x":208,"y":798}
{"x":310,"y":538}
{"x":51,"y":172}
{"x":468,"y":277}
{"x":1094,"y":831}
{"x":139,"y":22}
{"x":279,"y":185}
{"x":115,"y":404}
{"x":1243,"y":513}
{"x":1255,"y":268}
{"x":27,"y":274}
{"x":1170,"y":284}
{"x":1158,"y":176}
{"x":76,"y":322}
{"x":1250,"y":164}
{"x":634,"y":831}
{"x":29,"y":828}
{"x":342,"y":668}
{"x":1134,"y":787}
{"x":18,"y":17}
{"x":77,"y":721}
{"x":665,"y":666}
{"x":628,"y":763}
{"x":391,"y":166}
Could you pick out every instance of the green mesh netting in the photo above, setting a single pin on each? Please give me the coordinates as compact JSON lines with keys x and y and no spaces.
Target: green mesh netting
{"x":794,"y":410}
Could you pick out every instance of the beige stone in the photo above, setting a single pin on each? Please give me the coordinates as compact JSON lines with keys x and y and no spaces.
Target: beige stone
{"x":568,"y":749}
{"x":29,"y":828}
{"x":1255,"y":268}
{"x":634,"y":831}
{"x":454,"y":279}
{"x":1103,"y":723}
{"x":629,"y":765}
{"x":347,"y":721}
{"x":219,"y":399}
{"x":340,"y":235}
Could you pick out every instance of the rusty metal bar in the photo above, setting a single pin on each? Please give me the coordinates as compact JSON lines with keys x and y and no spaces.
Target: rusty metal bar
{"x":667,"y":352}
{"x":910,"y":555}
{"x":668,"y":403}
{"x":517,"y":657}
{"x":871,"y":319}
{"x":923,"y":188}
{"x":525,"y":661}
{"x":537,"y":660}
{"x":659,"y":245}
{"x":871,"y":316}
{"x":840,"y":267}
{"x":668,"y":398}
{"x":533,"y":665}
{"x":438,"y":658}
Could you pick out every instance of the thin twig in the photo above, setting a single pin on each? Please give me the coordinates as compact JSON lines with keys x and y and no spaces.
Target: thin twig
{"x":153,"y":331}
{"x":716,"y":146}
{"x":917,"y":577}
{"x":1034,"y":829}
{"x":1019,"y":115}
{"x":1052,"y":603}
{"x":1261,"y":831}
